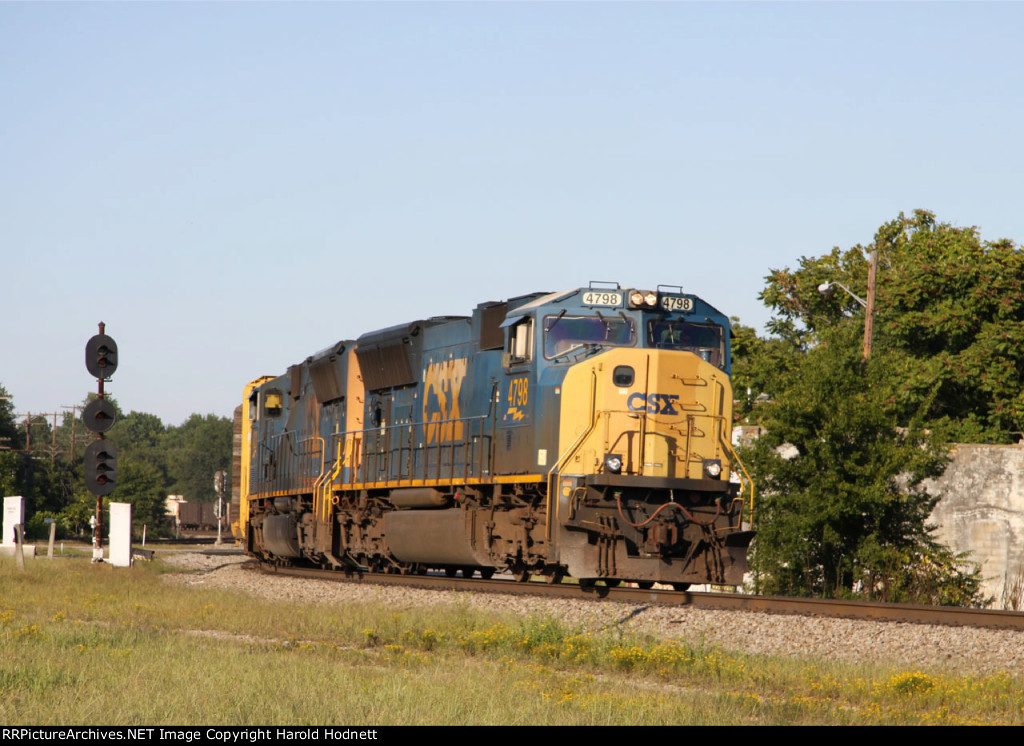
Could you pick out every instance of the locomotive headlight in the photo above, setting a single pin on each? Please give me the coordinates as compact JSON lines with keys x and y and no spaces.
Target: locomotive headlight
{"x":712,"y":468}
{"x":643,"y":299}
{"x":613,"y":463}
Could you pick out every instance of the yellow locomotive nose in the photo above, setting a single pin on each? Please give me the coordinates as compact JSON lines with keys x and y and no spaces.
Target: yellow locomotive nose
{"x":654,"y":413}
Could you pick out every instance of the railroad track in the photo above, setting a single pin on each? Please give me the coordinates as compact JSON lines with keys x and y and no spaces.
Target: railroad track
{"x":912,"y":613}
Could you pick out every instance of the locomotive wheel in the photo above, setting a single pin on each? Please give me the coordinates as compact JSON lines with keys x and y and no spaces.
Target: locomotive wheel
{"x":612,"y":582}
{"x":468,"y":572}
{"x":486,"y":573}
{"x":645,"y":585}
{"x":521,"y":574}
{"x":680,"y":586}
{"x":450,"y":572}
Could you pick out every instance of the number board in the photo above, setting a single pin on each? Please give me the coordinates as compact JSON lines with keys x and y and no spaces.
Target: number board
{"x":602,"y":298}
{"x":676,"y":303}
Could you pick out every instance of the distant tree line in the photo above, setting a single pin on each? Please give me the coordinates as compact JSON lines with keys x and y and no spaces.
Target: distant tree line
{"x":43,"y":463}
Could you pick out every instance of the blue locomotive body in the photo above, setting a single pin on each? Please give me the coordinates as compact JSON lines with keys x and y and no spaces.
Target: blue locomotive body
{"x":585,"y":432}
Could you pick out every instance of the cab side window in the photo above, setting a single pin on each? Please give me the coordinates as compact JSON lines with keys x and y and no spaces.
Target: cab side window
{"x":519,"y":348}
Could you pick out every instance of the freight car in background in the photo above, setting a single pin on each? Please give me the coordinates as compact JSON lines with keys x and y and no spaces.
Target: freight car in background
{"x":194,"y":517}
{"x":583,"y":433}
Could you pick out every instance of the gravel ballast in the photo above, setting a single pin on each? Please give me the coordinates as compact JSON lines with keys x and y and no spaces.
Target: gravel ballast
{"x":902,"y":645}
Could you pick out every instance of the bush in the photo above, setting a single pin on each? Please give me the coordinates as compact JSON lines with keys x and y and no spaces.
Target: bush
{"x":36,"y":528}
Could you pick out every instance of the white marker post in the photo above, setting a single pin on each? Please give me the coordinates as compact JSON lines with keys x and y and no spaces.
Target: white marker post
{"x":14,"y":515}
{"x":120,"y":538}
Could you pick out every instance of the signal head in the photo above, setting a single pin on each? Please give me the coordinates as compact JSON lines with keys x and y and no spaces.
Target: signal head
{"x":101,"y":467}
{"x":99,"y":415}
{"x":101,"y":356}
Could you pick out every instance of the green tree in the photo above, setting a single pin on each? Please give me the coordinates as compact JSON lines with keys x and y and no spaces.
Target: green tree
{"x":29,"y":469}
{"x":140,"y":432}
{"x":141,"y":483}
{"x":142,"y":438}
{"x":949,"y":317}
{"x":152,"y":460}
{"x":760,"y":366}
{"x":197,"y":449}
{"x":79,"y":509}
{"x":842,"y":508}
{"x":10,"y":442}
{"x":842,"y":503}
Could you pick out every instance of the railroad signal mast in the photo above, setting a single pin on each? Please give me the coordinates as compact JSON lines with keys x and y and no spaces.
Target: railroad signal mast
{"x":99,"y":416}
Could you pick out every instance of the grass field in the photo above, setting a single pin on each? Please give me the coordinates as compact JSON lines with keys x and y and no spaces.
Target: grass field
{"x":88,"y":644}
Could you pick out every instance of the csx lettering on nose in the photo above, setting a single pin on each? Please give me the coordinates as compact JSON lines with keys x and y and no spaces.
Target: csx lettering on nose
{"x":653,"y":403}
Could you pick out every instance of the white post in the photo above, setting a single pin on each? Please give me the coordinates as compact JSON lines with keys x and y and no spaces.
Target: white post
{"x":120,"y":534}
{"x":14,"y":515}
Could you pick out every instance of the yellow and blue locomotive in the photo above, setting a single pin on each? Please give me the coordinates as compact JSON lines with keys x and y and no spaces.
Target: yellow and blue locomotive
{"x":583,"y":433}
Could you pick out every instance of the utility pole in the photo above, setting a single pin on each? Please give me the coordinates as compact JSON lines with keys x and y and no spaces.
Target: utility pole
{"x":868,"y":305}
{"x":74,"y":417}
{"x":869,"y":311}
{"x":29,"y":420}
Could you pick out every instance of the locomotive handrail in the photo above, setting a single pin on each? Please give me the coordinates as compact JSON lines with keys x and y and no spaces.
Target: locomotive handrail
{"x":750,"y":480}
{"x":288,"y":465}
{"x":380,"y":444}
{"x":737,"y":460}
{"x":321,"y":504}
{"x":643,"y":416}
{"x":596,"y":416}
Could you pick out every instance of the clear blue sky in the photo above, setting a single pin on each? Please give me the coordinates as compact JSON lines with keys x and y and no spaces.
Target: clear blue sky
{"x":233,"y":186}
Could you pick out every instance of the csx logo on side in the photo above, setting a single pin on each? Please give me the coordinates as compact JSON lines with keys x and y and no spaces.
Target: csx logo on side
{"x":653,"y":403}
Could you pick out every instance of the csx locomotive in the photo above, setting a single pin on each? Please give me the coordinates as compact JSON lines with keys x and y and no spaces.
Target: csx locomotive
{"x":582,"y":433}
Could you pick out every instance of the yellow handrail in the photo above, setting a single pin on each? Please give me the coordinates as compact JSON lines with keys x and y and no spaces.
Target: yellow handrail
{"x":750,"y":480}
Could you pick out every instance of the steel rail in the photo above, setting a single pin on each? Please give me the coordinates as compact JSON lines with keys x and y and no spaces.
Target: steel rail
{"x":833,"y":608}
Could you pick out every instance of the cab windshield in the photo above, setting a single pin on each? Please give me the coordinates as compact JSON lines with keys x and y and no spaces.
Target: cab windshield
{"x":704,"y":340}
{"x":566,"y":334}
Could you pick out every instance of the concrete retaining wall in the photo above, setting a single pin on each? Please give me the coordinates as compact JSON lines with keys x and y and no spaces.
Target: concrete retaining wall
{"x":981,"y":510}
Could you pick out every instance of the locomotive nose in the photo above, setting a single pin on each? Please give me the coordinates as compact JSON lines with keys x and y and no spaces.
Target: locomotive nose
{"x":651,"y":413}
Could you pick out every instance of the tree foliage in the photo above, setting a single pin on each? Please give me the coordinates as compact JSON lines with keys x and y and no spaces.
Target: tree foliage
{"x":197,"y":449}
{"x":759,"y":365}
{"x":154,"y":460}
{"x":11,"y":462}
{"x":141,"y":483}
{"x":843,"y":508}
{"x":9,"y":434}
{"x":949,"y":315}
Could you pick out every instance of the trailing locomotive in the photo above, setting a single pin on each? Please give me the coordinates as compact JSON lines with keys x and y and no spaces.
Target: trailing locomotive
{"x":583,"y":433}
